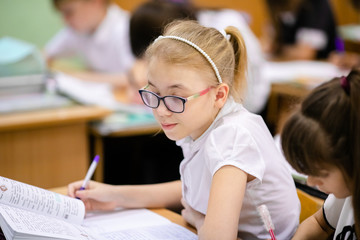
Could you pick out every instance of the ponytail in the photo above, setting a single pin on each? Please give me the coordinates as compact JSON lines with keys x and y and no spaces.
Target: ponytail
{"x":238,"y":44}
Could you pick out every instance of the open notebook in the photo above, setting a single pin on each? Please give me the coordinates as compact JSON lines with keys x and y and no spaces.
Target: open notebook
{"x":29,"y":212}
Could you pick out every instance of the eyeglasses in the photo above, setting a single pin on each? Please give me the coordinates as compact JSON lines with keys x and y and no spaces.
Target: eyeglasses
{"x":174,"y":104}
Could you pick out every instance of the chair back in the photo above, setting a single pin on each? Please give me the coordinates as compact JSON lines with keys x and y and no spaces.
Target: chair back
{"x":309,"y":204}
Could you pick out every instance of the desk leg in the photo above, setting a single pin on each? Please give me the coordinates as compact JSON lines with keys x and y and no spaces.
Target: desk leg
{"x":273,"y":111}
{"x":280,"y":108}
{"x":99,"y":173}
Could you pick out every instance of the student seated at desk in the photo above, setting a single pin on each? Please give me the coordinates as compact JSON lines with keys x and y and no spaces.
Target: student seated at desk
{"x":155,"y":14}
{"x":231,"y":166}
{"x":301,"y":29}
{"x":322,"y":140}
{"x":98,"y":33}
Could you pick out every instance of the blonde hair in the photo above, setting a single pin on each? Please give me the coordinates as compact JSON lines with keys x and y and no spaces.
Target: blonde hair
{"x":229,"y":56}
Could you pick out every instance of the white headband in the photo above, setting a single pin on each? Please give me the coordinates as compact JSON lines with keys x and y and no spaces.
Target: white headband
{"x":199,"y":50}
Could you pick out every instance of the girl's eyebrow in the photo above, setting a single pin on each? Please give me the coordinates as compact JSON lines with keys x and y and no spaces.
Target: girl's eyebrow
{"x":175,"y":86}
{"x":150,"y":83}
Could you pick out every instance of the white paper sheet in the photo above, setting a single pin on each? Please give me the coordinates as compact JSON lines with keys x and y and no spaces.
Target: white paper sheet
{"x":136,"y":224}
{"x":289,"y":71}
{"x":88,"y":93}
{"x":162,"y":232}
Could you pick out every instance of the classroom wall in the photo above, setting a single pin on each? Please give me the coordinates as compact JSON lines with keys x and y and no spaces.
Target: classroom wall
{"x":34,"y":21}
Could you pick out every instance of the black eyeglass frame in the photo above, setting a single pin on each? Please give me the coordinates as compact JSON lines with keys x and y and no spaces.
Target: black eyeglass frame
{"x":183,"y":100}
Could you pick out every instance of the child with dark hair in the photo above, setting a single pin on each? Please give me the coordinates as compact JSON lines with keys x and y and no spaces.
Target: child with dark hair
{"x":322,"y":140}
{"x":149,"y":19}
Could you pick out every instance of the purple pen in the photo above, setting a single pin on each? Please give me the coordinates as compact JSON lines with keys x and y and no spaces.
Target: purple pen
{"x":339,"y":45}
{"x":90,"y":172}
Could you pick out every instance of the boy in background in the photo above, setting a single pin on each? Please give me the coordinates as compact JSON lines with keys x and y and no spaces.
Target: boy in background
{"x":97,"y":32}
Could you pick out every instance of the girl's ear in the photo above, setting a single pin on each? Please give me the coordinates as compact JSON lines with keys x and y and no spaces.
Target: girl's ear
{"x":222,"y":92}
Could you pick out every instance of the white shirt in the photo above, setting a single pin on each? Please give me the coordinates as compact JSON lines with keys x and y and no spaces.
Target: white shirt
{"x":106,"y":50}
{"x":241,"y":139}
{"x":258,"y":86}
{"x":339,"y":214}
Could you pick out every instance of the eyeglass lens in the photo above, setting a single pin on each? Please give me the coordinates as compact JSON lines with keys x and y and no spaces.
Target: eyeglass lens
{"x":172,"y":103}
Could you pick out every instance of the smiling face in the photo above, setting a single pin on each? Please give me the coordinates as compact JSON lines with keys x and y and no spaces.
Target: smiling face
{"x":330,"y":180}
{"x":166,"y":79}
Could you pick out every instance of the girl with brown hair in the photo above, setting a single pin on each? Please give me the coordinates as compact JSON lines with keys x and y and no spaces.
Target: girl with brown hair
{"x":322,"y":140}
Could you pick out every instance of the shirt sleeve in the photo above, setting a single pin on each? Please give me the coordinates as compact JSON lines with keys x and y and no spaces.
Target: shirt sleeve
{"x":63,"y":44}
{"x":316,"y":38}
{"x":332,"y":209}
{"x":233,"y":145}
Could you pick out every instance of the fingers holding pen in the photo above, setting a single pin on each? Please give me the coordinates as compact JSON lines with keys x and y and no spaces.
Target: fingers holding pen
{"x":73,"y":187}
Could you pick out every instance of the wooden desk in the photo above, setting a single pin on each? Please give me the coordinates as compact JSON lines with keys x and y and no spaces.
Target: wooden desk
{"x":46,"y":148}
{"x":350,"y":34}
{"x":291,"y":81}
{"x":172,"y":216}
{"x":283,"y":99}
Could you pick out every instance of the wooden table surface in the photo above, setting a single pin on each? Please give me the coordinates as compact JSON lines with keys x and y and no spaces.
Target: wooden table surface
{"x":51,"y":117}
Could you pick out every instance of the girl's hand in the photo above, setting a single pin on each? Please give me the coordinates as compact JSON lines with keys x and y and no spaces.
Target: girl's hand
{"x":191,"y":216}
{"x":345,"y":60}
{"x":97,"y":196}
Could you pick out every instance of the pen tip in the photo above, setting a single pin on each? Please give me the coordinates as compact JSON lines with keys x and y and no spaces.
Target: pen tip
{"x":96,"y":159}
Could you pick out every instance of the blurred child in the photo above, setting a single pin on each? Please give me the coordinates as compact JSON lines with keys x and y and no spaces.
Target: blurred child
{"x":148,"y":20}
{"x":301,"y":29}
{"x":196,"y":77}
{"x":98,"y":33}
{"x":322,"y":140}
